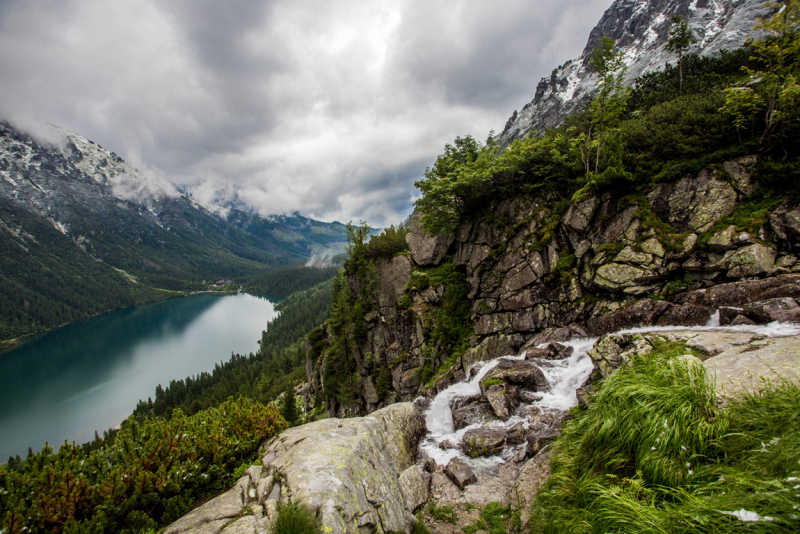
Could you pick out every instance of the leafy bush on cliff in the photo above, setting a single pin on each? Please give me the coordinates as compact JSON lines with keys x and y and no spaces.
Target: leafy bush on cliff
{"x":654,"y":452}
{"x":149,"y":476}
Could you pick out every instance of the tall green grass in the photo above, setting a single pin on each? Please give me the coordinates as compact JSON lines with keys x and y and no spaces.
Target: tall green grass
{"x":295,"y":518}
{"x":656,"y":453}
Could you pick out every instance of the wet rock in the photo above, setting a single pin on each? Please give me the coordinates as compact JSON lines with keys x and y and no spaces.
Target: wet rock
{"x":523,"y":373}
{"x":694,"y":203}
{"x":686,"y":315}
{"x":539,"y":440}
{"x":460,"y":473}
{"x":785,"y":310}
{"x":741,"y":320}
{"x":529,"y":397}
{"x":562,"y":333}
{"x":749,"y":261}
{"x":641,"y":313}
{"x":425,"y":249}
{"x":501,"y":399}
{"x":553,"y":351}
{"x":476,"y":412}
{"x":491,"y":440}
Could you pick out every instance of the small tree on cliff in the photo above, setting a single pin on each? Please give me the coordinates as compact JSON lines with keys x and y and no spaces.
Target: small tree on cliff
{"x":681,"y":39}
{"x":288,"y":405}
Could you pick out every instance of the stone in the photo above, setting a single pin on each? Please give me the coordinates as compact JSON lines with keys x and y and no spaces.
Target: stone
{"x":243,"y":525}
{"x":723,"y":240}
{"x":614,"y":276}
{"x":686,"y":315}
{"x":523,"y":373}
{"x":347,"y":471}
{"x":785,"y":223}
{"x":425,"y":249}
{"x":749,"y":366}
{"x":460,"y":473}
{"x":785,"y":310}
{"x":579,"y":215}
{"x":489,"y":349}
{"x":613,"y":350}
{"x":629,"y":256}
{"x":641,"y":313}
{"x":749,"y":261}
{"x":561,"y":334}
{"x":694,"y":203}
{"x":741,"y":320}
{"x":491,"y":324}
{"x":740,"y":174}
{"x":470,"y":414}
{"x":394,"y":273}
{"x":212,"y":514}
{"x":503,"y":404}
{"x":415,"y":485}
{"x":539,"y":440}
{"x":553,"y":351}
{"x":654,"y":247}
{"x":786,"y":262}
{"x":535,"y":472}
{"x":739,"y":293}
{"x":490,"y":440}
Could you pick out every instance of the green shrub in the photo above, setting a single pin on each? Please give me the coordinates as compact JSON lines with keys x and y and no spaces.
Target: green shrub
{"x":295,"y":518}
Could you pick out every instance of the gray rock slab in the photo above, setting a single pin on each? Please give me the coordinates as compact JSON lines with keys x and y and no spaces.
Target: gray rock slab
{"x":532,"y":475}
{"x":748,"y":366}
{"x":227,"y":505}
{"x":243,"y":525}
{"x":347,"y":471}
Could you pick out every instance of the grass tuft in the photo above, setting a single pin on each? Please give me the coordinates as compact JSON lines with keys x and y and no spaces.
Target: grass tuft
{"x":295,"y":518}
{"x":655,"y":453}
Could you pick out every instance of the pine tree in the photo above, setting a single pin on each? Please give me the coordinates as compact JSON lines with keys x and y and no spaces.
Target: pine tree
{"x":288,"y":405}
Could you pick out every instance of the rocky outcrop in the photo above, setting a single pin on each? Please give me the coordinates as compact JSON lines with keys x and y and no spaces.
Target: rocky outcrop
{"x":670,"y":257}
{"x":356,"y":475}
{"x":640,"y":30}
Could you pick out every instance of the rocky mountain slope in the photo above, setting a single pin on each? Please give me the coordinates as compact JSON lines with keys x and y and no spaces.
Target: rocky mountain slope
{"x":640,"y":29}
{"x":84,"y":232}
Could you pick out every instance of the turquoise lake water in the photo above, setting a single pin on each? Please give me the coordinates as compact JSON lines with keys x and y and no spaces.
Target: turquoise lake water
{"x":88,"y":376}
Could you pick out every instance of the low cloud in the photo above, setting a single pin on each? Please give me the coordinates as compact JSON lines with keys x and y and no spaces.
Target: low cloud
{"x":332,"y":108}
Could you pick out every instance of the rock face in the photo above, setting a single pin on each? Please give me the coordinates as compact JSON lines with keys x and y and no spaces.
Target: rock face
{"x":640,"y":31}
{"x":353,"y":472}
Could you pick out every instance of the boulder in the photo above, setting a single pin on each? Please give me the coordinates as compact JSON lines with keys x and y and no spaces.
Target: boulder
{"x":561,"y":334}
{"x":535,"y":472}
{"x":737,"y":294}
{"x":686,"y":315}
{"x":785,"y":223}
{"x":641,"y":313}
{"x":347,"y":471}
{"x":460,"y":473}
{"x":694,"y":203}
{"x":742,"y":320}
{"x":740,"y":173}
{"x":415,"y":485}
{"x":553,"y":351}
{"x":580,"y":214}
{"x":426,"y":249}
{"x":615,"y":276}
{"x":502,"y":400}
{"x":490,"y":440}
{"x":723,"y":240}
{"x":749,"y":261}
{"x":785,"y":310}
{"x":212,"y":516}
{"x":489,"y":349}
{"x":749,"y":365}
{"x":523,"y":373}
{"x":470,"y":414}
{"x":612,"y":350}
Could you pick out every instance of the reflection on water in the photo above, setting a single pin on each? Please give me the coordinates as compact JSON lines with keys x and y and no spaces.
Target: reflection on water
{"x":89,"y":376}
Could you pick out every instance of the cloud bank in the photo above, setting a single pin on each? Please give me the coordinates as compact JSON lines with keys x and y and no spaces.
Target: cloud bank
{"x":332,"y":108}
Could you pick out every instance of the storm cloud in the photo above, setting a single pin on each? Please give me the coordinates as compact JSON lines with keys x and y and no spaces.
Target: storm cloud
{"x":332,"y":108}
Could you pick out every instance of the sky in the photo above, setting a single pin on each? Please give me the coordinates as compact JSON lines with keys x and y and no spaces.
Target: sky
{"x":331,"y":108}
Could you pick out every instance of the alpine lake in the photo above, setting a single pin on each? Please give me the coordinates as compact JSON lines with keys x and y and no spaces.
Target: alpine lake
{"x":89,"y":376}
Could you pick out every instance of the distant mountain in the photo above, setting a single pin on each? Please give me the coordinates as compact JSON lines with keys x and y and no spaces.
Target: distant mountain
{"x":640,"y":29}
{"x":83,"y":232}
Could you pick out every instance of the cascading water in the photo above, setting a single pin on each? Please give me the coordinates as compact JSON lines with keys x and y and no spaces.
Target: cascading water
{"x":564,"y":377}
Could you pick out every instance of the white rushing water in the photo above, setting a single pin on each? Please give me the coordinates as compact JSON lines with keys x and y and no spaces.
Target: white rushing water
{"x":564,"y":377}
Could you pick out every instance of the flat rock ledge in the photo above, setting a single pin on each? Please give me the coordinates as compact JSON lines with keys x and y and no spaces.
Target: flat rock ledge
{"x":357,"y":475}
